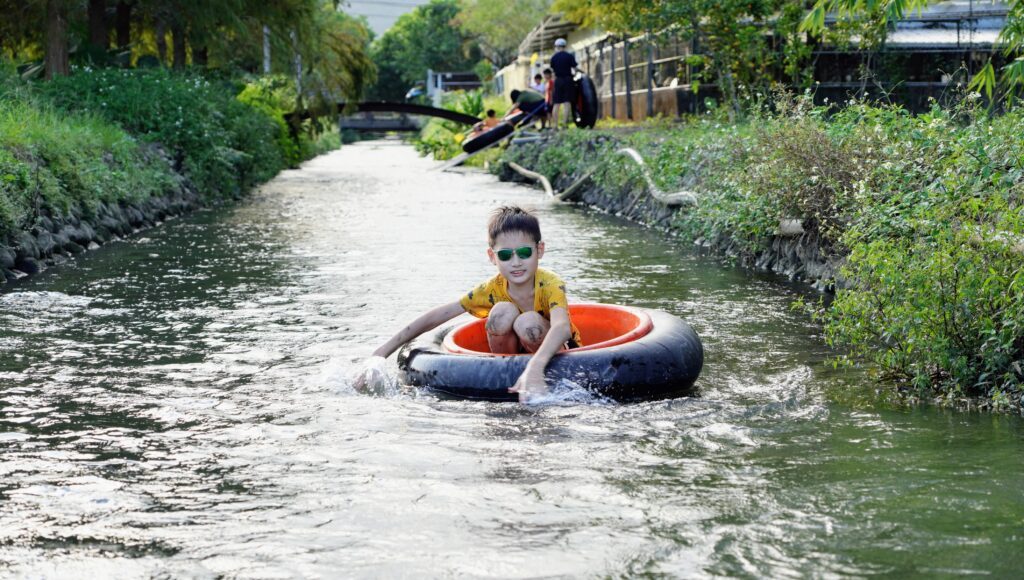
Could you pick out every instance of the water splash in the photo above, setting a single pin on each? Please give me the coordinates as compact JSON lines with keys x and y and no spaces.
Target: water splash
{"x":567,"y":393}
{"x":371,"y":376}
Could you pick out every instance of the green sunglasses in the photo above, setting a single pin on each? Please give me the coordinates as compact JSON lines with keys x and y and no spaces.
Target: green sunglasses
{"x":506,"y":254}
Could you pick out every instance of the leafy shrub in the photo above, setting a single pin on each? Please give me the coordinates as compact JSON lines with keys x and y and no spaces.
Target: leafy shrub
{"x":59,"y":161}
{"x":275,"y":96}
{"x":223,"y":145}
{"x":926,"y":210}
{"x":443,"y":139}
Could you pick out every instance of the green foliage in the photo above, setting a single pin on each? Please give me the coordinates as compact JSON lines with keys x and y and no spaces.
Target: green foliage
{"x":499,"y":26}
{"x":419,"y":40}
{"x":927,"y":211}
{"x":100,"y":136}
{"x":49,"y":159}
{"x":440,"y":138}
{"x":936,"y":251}
{"x":443,"y":139}
{"x":869,"y":21}
{"x":222,"y":144}
{"x":335,"y":51}
{"x":275,"y":97}
{"x":735,"y":53}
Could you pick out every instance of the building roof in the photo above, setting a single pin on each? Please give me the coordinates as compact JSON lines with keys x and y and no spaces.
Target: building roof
{"x":542,"y":37}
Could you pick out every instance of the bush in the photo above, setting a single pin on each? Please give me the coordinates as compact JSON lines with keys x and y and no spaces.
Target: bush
{"x":223,"y":145}
{"x":52,"y":160}
{"x":927,"y":211}
{"x":443,"y":139}
{"x":937,"y":243}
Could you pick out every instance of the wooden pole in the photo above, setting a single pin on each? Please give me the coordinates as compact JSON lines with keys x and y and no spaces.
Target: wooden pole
{"x":629,"y":81}
{"x":266,"y":49}
{"x":650,"y":75}
{"x":614,"y":96}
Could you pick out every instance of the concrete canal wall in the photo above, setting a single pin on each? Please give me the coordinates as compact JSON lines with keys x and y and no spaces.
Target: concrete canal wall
{"x":56,"y":238}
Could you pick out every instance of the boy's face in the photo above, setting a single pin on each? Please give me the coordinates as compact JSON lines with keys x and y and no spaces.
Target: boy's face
{"x":547,"y":75}
{"x":516,"y":270}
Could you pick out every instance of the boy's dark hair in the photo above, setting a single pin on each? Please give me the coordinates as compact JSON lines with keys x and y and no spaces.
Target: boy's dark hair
{"x":491,"y":113}
{"x":512,"y":219}
{"x":537,"y":77}
{"x":515,"y":94}
{"x":548,"y":71}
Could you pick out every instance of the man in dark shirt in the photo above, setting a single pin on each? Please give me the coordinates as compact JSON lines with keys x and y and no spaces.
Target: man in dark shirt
{"x":564,"y":65}
{"x":530,"y":102}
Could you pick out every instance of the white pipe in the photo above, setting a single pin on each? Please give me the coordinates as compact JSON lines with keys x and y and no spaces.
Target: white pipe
{"x":534,"y":176}
{"x":669,"y":199}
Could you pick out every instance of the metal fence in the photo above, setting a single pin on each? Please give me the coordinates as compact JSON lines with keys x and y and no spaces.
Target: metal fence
{"x":650,"y":75}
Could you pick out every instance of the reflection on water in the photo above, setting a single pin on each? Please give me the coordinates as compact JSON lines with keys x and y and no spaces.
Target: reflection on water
{"x":190,"y":415}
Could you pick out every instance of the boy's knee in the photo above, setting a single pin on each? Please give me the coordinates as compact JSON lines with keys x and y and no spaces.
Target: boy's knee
{"x":531,"y":328}
{"x":501,"y":318}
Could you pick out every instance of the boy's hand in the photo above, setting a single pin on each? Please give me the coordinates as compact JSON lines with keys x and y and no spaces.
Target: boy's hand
{"x":371,"y":376}
{"x":530,"y":384}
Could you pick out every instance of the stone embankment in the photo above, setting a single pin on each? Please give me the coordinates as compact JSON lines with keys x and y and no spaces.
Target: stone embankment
{"x":792,"y":252}
{"x":55,"y":238}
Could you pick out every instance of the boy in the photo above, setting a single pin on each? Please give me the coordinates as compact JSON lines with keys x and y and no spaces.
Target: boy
{"x":549,"y":90}
{"x":538,"y":83}
{"x":524,"y":305}
{"x":490,"y":121}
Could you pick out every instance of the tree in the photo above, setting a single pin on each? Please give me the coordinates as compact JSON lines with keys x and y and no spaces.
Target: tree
{"x":883,"y":12}
{"x":419,"y":40}
{"x":733,"y":47}
{"x":499,"y":26}
{"x":56,"y":39}
{"x":334,"y":47}
{"x":335,"y":52}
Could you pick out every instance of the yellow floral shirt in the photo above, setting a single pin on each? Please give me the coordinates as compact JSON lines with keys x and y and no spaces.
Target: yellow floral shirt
{"x":548,"y":293}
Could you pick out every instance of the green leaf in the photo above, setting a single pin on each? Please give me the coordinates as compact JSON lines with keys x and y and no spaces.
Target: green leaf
{"x":984,"y":81}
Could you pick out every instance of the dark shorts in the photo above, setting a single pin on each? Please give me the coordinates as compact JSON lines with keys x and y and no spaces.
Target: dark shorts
{"x":565,"y":90}
{"x":538,"y":108}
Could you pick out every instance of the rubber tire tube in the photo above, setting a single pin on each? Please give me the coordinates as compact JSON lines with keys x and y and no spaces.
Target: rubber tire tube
{"x":666,"y":362}
{"x":587,"y":107}
{"x":488,"y":137}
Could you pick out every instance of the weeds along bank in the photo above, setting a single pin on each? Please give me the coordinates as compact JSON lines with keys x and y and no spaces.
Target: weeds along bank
{"x":443,"y":139}
{"x":920,"y":219}
{"x":102,"y":153}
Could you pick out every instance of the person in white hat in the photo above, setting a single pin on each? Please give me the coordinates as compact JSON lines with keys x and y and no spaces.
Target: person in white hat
{"x":564,"y":64}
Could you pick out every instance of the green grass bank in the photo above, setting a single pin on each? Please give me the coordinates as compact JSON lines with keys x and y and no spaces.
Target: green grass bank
{"x":920,"y":220}
{"x":103,"y":152}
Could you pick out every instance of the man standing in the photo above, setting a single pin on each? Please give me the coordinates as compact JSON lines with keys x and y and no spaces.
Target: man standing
{"x":564,"y":65}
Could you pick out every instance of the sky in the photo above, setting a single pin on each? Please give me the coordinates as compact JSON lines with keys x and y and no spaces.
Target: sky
{"x":381,"y":14}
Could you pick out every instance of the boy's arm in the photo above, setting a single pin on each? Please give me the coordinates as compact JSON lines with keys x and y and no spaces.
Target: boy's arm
{"x":531,"y":382}
{"x":428,"y":320}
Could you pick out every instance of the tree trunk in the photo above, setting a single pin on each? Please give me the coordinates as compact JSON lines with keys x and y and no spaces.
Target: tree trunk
{"x":123,"y":23}
{"x":56,"y":39}
{"x":266,"y":49}
{"x":178,"y":44}
{"x":200,"y":55}
{"x":98,"y":34}
{"x":161,"y":40}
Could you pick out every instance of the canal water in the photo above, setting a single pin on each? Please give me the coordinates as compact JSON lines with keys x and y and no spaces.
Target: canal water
{"x":180,"y":405}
